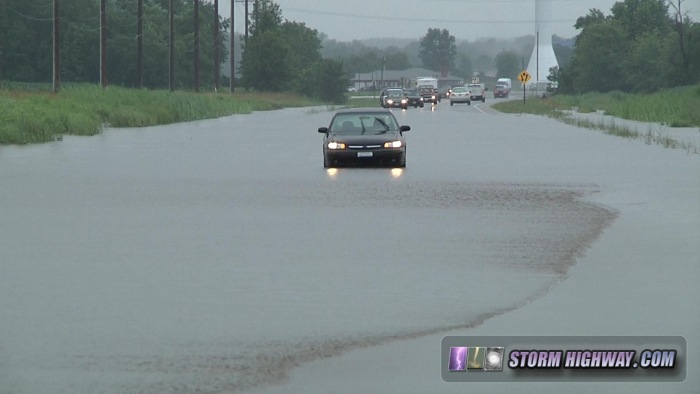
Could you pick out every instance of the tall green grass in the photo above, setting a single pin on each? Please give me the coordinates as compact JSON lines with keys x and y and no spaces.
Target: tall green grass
{"x":677,"y":107}
{"x":31,"y":114}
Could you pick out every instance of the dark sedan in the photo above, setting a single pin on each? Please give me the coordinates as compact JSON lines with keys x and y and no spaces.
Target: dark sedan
{"x":394,"y":98}
{"x":414,"y":98}
{"x":364,"y":136}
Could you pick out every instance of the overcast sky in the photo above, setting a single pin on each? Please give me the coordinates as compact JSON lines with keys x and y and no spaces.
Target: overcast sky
{"x":465,"y":19}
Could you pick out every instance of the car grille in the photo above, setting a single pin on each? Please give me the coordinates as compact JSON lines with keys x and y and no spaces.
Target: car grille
{"x":364,"y":146}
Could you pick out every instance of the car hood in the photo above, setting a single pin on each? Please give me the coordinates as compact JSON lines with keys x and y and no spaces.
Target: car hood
{"x":365,"y":139}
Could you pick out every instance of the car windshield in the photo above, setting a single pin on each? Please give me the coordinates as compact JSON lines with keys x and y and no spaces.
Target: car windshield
{"x":460,"y":89}
{"x":394,"y":93}
{"x":426,"y":90}
{"x":363,"y":124}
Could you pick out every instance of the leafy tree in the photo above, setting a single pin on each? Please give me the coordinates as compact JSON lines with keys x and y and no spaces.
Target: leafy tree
{"x":597,"y":60}
{"x":465,"y":69}
{"x":264,"y":62}
{"x":639,"y":17}
{"x":507,"y":64}
{"x":304,"y":48}
{"x":646,"y":64}
{"x":325,"y":80}
{"x":26,"y":37}
{"x":394,"y":59}
{"x":438,"y":50}
{"x":554,"y":74}
{"x":483,"y":64}
{"x":594,"y":16}
{"x":267,"y":15}
{"x":25,"y":41}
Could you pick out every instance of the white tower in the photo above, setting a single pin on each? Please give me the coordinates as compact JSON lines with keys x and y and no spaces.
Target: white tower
{"x":543,"y":57}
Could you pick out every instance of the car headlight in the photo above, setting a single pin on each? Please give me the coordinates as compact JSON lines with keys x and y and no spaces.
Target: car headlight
{"x":390,"y":101}
{"x":421,"y":99}
{"x":404,"y":101}
{"x":433,"y":97}
{"x":393,"y":144}
{"x":336,"y":145}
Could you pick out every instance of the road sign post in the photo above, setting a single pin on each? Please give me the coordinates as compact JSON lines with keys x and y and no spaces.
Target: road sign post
{"x":524,"y":77}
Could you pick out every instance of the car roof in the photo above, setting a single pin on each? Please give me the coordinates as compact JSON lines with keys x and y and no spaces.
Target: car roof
{"x":370,"y":110}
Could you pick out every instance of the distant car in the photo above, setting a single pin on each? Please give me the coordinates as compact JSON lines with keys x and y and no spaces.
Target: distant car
{"x":477,"y":92}
{"x":429,"y":94}
{"x":445,"y":91}
{"x":364,"y":136}
{"x":394,"y":98}
{"x":414,"y":98}
{"x":352,"y":89}
{"x":460,"y":94}
{"x":501,"y":91}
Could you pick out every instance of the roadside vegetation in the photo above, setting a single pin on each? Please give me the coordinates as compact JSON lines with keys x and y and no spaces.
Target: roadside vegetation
{"x":31,"y":114}
{"x":675,"y":107}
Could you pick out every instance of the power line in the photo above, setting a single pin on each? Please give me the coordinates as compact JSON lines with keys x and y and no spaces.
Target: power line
{"x":431,"y":20}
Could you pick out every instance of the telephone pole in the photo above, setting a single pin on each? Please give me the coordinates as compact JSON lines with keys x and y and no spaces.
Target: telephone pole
{"x":196,"y":45}
{"x":232,"y":46}
{"x":246,"y":21}
{"x":139,"y":45}
{"x":103,"y":43}
{"x":56,"y":47}
{"x":217,"y":63}
{"x":171,"y":47}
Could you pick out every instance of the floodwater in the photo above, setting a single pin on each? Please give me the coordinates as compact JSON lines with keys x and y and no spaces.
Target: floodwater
{"x":216,"y":256}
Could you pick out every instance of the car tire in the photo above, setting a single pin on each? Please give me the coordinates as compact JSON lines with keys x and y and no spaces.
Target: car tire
{"x":451,"y":103}
{"x":469,"y":103}
{"x":421,"y":105}
{"x":483,"y":99}
{"x":326,"y":164}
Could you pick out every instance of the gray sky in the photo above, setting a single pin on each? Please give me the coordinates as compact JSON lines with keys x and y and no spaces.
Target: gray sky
{"x":465,"y":19}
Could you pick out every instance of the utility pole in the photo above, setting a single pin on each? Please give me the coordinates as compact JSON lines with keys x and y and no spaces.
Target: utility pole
{"x":171,"y":48}
{"x":246,"y":22}
{"x":231,"y":57}
{"x":196,"y":45}
{"x":56,"y":47}
{"x":139,"y":45}
{"x":103,"y":43}
{"x":217,"y":63}
{"x":256,"y":12}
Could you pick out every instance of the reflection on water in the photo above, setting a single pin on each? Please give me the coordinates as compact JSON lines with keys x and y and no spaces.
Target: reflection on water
{"x":333,"y":172}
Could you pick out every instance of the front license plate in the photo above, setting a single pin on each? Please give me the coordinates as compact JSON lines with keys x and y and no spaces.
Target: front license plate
{"x":364,"y":154}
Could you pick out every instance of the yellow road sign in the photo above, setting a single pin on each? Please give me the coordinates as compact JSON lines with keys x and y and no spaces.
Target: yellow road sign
{"x":524,"y":77}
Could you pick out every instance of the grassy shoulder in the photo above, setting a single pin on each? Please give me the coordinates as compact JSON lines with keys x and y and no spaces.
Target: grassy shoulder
{"x":677,"y":107}
{"x":33,"y":115}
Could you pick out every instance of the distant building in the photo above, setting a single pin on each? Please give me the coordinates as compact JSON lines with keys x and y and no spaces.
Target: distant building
{"x":400,"y":78}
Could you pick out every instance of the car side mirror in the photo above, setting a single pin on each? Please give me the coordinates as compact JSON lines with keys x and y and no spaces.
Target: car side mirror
{"x":404,"y":128}
{"x":323,"y":130}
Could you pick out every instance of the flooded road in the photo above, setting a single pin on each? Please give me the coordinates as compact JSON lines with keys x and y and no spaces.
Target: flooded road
{"x":218,"y":255}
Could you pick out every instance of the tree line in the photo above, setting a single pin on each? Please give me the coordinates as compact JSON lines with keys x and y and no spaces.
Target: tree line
{"x":644,"y":45}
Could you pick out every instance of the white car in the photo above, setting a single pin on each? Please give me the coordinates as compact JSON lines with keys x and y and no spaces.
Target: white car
{"x":460,"y":94}
{"x":352,"y":89}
